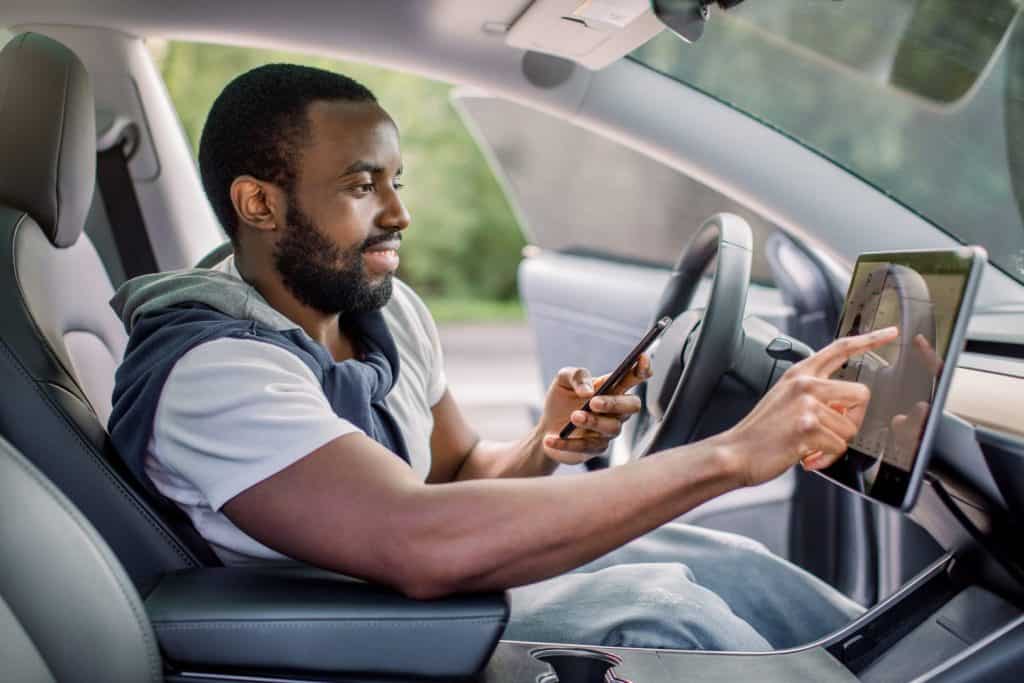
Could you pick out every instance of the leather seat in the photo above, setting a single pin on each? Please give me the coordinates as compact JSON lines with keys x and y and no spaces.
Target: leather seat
{"x":60,"y":342}
{"x":59,"y":585}
{"x":68,"y":611}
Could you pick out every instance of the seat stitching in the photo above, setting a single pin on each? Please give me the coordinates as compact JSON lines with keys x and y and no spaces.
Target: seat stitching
{"x":103,"y":467}
{"x":79,"y":519}
{"x":60,"y":151}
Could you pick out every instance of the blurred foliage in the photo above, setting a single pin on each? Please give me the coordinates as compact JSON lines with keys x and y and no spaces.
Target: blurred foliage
{"x":463,"y":243}
{"x":820,"y":72}
{"x":927,"y":48}
{"x":458,"y":310}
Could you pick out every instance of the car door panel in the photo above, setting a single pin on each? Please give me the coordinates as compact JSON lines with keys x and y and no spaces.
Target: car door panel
{"x":590,"y":311}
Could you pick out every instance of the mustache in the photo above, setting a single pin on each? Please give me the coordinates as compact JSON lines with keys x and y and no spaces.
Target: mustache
{"x":378,"y":239}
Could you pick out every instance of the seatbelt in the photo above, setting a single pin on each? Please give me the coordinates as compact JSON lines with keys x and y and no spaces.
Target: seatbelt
{"x":114,"y":148}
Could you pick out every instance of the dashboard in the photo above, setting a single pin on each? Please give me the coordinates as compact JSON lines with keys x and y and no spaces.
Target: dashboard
{"x":988,"y":389}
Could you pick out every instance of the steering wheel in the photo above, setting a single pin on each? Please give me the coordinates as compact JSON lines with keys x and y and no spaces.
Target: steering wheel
{"x":701,"y":345}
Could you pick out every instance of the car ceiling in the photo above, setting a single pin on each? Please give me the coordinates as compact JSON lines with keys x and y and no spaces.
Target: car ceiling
{"x":443,"y":39}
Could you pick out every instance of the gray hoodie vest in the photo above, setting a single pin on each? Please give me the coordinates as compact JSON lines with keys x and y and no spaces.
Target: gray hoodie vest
{"x":168,"y":314}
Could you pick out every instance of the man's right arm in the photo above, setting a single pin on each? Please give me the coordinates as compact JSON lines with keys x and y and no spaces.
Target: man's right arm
{"x":353,"y":507}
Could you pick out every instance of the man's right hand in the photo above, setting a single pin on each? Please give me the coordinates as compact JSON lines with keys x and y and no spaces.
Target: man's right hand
{"x":806,"y":416}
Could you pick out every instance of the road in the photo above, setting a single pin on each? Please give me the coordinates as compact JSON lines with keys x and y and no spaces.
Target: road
{"x":492,"y":372}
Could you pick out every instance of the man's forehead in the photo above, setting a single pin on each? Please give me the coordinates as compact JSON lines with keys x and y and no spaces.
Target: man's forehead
{"x":344,"y":132}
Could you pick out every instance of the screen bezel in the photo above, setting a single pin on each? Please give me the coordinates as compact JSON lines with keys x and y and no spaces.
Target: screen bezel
{"x":899,"y":490}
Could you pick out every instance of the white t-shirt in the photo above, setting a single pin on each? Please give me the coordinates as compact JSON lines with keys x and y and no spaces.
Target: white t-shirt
{"x":234,"y":412}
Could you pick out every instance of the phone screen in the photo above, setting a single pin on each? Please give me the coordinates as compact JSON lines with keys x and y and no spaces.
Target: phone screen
{"x":620,"y":371}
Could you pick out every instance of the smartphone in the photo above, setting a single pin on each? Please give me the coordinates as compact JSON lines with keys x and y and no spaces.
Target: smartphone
{"x":625,"y":366}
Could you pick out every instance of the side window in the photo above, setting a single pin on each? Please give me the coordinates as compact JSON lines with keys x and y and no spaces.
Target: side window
{"x":464,"y":245}
{"x":580,"y":192}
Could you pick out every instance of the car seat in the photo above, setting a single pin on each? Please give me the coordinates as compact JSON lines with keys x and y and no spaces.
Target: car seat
{"x":60,"y":342}
{"x":59,"y":346}
{"x":68,"y":611}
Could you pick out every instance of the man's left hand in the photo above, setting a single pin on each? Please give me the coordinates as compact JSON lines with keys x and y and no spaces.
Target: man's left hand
{"x":594,"y":430}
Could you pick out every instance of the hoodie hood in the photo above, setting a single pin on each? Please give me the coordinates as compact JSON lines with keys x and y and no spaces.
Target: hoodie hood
{"x":168,"y":314}
{"x":221,"y":290}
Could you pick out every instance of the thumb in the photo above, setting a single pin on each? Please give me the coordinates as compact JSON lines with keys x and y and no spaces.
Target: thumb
{"x":577,"y":380}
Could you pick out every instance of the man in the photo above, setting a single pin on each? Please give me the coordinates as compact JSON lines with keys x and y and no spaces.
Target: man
{"x":292,"y":401}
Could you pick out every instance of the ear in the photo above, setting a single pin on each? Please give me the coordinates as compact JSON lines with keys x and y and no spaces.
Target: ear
{"x":258,"y":203}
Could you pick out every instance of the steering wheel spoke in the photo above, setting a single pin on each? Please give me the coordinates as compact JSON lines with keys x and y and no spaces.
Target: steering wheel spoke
{"x":701,"y":345}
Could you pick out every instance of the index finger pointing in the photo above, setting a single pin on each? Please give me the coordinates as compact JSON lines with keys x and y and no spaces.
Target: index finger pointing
{"x":832,"y":357}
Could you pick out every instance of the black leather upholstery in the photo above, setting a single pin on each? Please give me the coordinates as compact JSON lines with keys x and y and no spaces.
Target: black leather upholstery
{"x":310,"y":621}
{"x":48,"y":144}
{"x":68,"y":611}
{"x":59,"y":340}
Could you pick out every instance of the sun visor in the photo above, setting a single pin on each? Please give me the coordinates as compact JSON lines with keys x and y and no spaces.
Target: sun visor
{"x":593,"y":33}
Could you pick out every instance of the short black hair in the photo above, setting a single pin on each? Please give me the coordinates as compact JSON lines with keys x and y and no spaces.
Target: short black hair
{"x":257,"y":125}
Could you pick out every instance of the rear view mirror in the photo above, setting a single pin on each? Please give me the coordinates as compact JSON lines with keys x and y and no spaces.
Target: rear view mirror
{"x":686,"y":18}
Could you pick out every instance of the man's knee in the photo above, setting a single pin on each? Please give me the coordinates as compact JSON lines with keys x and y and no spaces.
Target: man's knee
{"x":654,"y":605}
{"x":746,"y":546}
{"x":664,"y":606}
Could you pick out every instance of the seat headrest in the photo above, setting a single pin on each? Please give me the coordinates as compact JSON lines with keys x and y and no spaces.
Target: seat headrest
{"x":47,"y":135}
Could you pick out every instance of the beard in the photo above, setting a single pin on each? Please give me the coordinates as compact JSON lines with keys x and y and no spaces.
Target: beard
{"x":324,"y":276}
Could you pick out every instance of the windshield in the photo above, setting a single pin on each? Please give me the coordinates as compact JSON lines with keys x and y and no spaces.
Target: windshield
{"x":858,"y":82}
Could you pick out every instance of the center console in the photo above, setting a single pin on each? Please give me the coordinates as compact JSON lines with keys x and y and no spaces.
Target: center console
{"x":930,"y":621}
{"x":958,"y":620}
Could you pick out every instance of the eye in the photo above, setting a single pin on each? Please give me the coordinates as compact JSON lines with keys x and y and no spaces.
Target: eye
{"x":397,"y":185}
{"x":364,"y":188}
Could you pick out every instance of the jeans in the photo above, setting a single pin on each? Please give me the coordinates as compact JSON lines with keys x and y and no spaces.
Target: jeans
{"x":682,"y":587}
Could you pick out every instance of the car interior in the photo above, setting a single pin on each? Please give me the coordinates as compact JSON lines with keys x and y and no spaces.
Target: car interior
{"x":620,"y":166}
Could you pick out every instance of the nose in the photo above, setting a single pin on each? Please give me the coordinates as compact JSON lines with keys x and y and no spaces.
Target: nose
{"x":393,"y":214}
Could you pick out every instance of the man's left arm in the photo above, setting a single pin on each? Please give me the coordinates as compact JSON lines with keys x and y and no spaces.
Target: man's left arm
{"x":458,"y":453}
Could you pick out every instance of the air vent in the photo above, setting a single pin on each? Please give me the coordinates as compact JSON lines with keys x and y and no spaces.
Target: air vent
{"x":991,"y":348}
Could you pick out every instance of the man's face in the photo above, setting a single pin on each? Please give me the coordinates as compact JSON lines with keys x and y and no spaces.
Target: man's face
{"x":339,"y":250}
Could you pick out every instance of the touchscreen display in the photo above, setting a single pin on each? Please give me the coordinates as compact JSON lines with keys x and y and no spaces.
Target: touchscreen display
{"x":921,"y":293}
